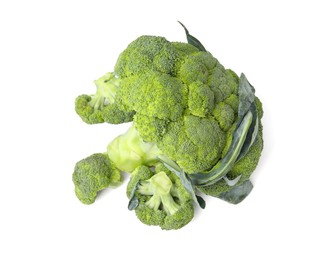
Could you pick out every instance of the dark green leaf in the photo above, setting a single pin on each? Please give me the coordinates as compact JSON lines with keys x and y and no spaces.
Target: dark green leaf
{"x":201,"y":201}
{"x":238,"y":193}
{"x":192,"y":40}
{"x":133,"y":202}
{"x":246,"y":94}
{"x":247,"y":103}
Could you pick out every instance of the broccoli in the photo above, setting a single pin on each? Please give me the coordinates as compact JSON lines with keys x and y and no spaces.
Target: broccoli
{"x":92,"y":175}
{"x":176,"y":99}
{"x":194,"y":126}
{"x":128,"y":151}
{"x":101,"y":107}
{"x":163,"y":201}
{"x":175,"y":94}
{"x":242,"y":169}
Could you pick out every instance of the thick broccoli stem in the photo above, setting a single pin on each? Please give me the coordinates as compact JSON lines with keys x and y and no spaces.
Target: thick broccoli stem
{"x":225,"y":164}
{"x":160,"y":187}
{"x":128,"y":151}
{"x":107,"y":86}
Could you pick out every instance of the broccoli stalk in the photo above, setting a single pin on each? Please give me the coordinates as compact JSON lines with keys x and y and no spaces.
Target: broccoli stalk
{"x":128,"y":151}
{"x":159,"y":187}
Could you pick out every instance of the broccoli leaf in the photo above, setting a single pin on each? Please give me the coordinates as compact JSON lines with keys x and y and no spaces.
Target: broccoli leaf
{"x":246,"y":96}
{"x":238,"y":193}
{"x":246,"y":93}
{"x":192,"y":40}
{"x":133,"y":202}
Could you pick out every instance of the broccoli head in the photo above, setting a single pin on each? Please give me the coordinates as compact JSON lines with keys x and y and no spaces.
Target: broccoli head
{"x":195,"y":126}
{"x":163,"y":201}
{"x":179,"y":101}
{"x":179,"y":97}
{"x":92,"y":175}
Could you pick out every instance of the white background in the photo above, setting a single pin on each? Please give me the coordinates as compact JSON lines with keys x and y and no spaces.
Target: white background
{"x":51,"y":51}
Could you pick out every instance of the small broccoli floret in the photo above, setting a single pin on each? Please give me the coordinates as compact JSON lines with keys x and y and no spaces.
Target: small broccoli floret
{"x":164,"y":96}
{"x":128,"y":151}
{"x":86,"y":112}
{"x":193,"y":70}
{"x":150,"y":128}
{"x":147,"y":54}
{"x":233,"y":102}
{"x":200,"y":99}
{"x":92,"y":175}
{"x":194,"y":143}
{"x":225,"y":115}
{"x":101,"y":107}
{"x":222,"y":82}
{"x":114,"y":115}
{"x":154,"y":94}
{"x":184,"y":49}
{"x":163,"y":201}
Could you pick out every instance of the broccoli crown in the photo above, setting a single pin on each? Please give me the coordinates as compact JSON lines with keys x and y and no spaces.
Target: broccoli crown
{"x":163,"y":201}
{"x":92,"y":175}
{"x":101,"y":107}
{"x":183,"y":98}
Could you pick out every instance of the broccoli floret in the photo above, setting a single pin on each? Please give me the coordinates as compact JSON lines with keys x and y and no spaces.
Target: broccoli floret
{"x":195,"y":144}
{"x":184,"y":49}
{"x":154,"y":94}
{"x":193,"y":70}
{"x":86,"y":112}
{"x":128,"y":151}
{"x":233,"y":102}
{"x":225,"y":115}
{"x":101,"y":107}
{"x":200,"y":99}
{"x":151,"y":128}
{"x":163,"y":201}
{"x":147,"y":54}
{"x":92,"y":175}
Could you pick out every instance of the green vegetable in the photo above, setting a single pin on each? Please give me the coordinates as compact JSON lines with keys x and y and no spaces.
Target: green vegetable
{"x":92,"y":175}
{"x":101,"y":107}
{"x":163,"y":200}
{"x":128,"y":151}
{"x":196,"y":126}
